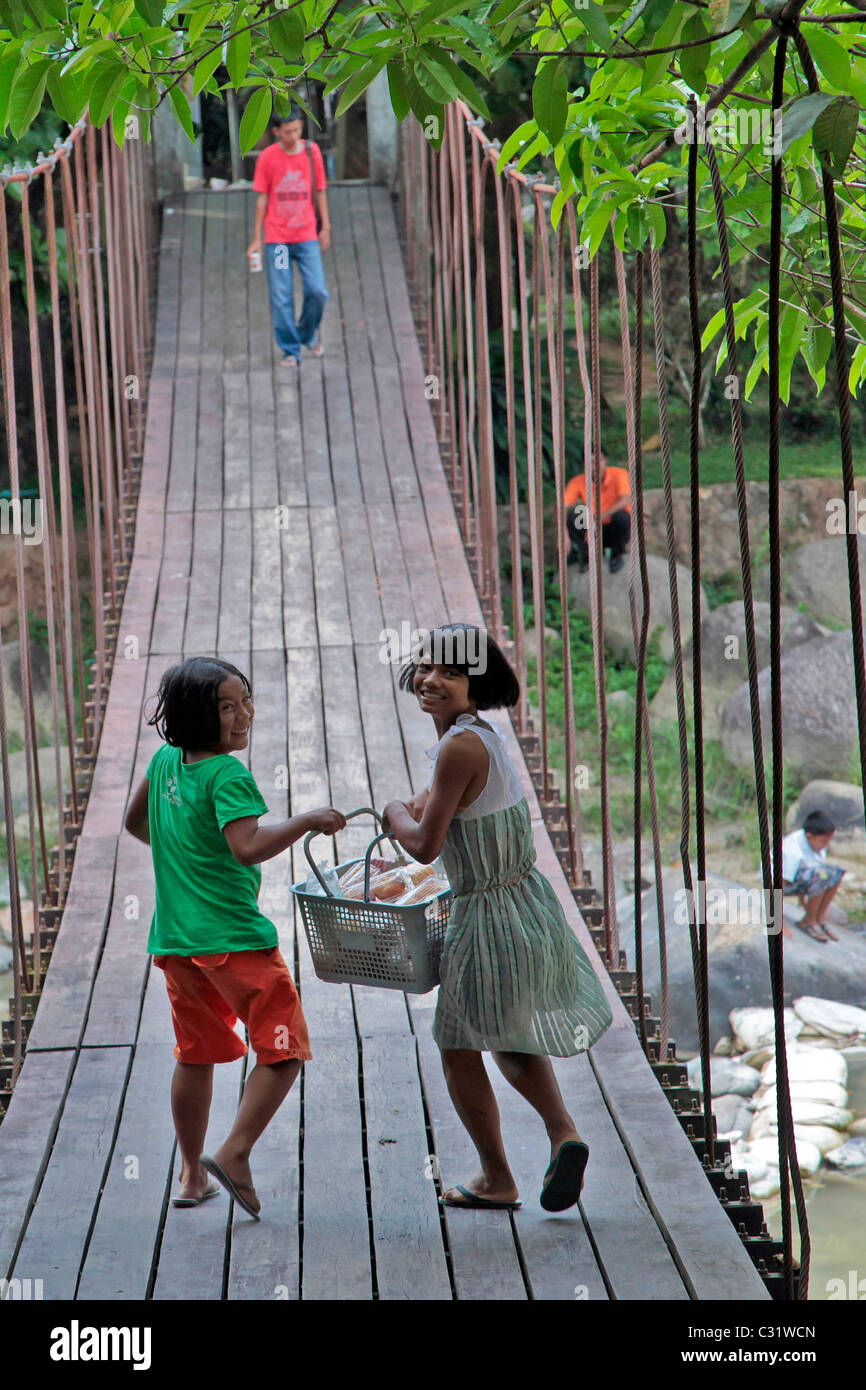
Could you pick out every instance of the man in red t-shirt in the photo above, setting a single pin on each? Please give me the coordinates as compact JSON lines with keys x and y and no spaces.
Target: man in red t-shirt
{"x":290,"y":182}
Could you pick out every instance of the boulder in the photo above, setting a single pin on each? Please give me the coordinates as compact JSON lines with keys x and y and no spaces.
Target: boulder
{"x":841,"y":801}
{"x":617,"y":612}
{"x":731,"y":1115}
{"x":817,"y":575}
{"x":738,"y":963}
{"x":819,"y":710}
{"x":831,"y":1019}
{"x":766,"y":1151}
{"x":723,"y":657}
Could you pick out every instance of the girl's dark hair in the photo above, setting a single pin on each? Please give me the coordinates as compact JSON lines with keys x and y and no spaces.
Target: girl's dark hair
{"x":492,"y":683}
{"x":187,"y":709}
{"x":818,"y":823}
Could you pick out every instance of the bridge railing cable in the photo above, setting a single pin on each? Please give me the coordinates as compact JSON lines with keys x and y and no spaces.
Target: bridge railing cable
{"x":515,"y":552}
{"x":82,"y":220}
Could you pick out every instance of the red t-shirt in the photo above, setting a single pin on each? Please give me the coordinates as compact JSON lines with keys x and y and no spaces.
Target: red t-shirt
{"x":290,"y":214}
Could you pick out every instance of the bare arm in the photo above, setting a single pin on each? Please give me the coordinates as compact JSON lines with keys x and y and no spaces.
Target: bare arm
{"x":258,"y":229}
{"x":325,"y":231}
{"x":461,"y":772}
{"x":136,"y":815}
{"x":251,"y":843}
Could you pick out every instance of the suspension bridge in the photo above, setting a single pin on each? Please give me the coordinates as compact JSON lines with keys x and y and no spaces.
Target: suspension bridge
{"x":282,"y":521}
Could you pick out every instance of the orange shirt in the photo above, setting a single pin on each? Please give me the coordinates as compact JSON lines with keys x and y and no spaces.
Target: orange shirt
{"x":616,"y":485}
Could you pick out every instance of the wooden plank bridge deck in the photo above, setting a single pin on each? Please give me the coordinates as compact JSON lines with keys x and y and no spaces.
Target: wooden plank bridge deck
{"x":285,"y":518}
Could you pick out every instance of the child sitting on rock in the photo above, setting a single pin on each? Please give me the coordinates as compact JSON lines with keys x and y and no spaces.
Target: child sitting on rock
{"x":807,"y":874}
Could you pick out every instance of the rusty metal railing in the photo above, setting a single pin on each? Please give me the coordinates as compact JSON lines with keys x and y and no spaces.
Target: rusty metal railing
{"x":80,"y":391}
{"x":549,"y":303}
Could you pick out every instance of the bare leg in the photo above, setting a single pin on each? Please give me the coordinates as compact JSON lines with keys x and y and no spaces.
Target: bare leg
{"x":266,"y":1088}
{"x":472,"y":1094}
{"x":191,"y":1091}
{"x":823,"y":903}
{"x":534,"y":1078}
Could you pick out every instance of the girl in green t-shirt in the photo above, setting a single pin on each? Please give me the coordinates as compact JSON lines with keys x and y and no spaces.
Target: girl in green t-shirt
{"x":198,"y":809}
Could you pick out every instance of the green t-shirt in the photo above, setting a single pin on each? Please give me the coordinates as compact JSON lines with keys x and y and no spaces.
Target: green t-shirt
{"x":205,"y":900}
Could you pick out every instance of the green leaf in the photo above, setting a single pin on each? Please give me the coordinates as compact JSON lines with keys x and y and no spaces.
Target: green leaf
{"x":255,"y":118}
{"x":659,"y":224}
{"x":437,"y":9}
{"x":693,"y":61}
{"x":791,"y":329}
{"x":550,"y":99}
{"x":654,"y":16}
{"x":830,"y":56}
{"x":199,"y":22}
{"x":358,"y":84}
{"x":816,"y":349}
{"x":397,"y":88}
{"x":205,"y":68}
{"x":26,"y":97}
{"x":463,"y":85}
{"x":8,"y":69}
{"x":595,"y":226}
{"x":81,"y":60}
{"x":594,"y":20}
{"x":287,"y":34}
{"x":103,"y":89}
{"x":514,"y":141}
{"x":150,"y":10}
{"x":238,"y":50}
{"x":757,"y":367}
{"x":799,"y":115}
{"x":430,"y":80}
{"x":858,"y":369}
{"x":182,"y":111}
{"x":834,"y":133}
{"x":726,"y":14}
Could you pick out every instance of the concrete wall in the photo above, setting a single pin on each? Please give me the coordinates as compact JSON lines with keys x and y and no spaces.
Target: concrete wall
{"x":381,"y":131}
{"x":176,"y":158}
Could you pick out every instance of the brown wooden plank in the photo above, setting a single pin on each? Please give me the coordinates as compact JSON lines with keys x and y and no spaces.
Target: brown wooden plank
{"x":407,"y":1231}
{"x":289,"y":446}
{"x":235,"y":580}
{"x":209,"y":444}
{"x":299,"y":599}
{"x":125,"y":1235}
{"x":26,"y":1138}
{"x":214,"y":275}
{"x":332,"y":609}
{"x":236,"y":440}
{"x":170,"y":615}
{"x":267,"y":582}
{"x":263,"y":442}
{"x":484,"y":1255}
{"x":314,"y":436}
{"x":192,"y":1252}
{"x":235,"y":286}
{"x":203,"y":612}
{"x":53,"y":1244}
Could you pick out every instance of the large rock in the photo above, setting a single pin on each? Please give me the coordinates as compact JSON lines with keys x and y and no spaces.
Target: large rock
{"x":817,"y":575}
{"x":841,"y":801}
{"x":617,"y":612}
{"x":738,"y":962}
{"x":819,"y":710}
{"x":723,"y":657}
{"x":727,"y":1076}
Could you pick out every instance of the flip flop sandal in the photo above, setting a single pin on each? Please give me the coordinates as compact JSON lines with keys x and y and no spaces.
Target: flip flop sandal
{"x":195,"y":1201}
{"x":235,"y":1189}
{"x":830,"y":935}
{"x":564,"y":1178}
{"x":816,"y":933}
{"x":475,"y":1201}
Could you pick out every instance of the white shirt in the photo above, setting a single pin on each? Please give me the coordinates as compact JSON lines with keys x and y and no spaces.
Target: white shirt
{"x":798,"y":854}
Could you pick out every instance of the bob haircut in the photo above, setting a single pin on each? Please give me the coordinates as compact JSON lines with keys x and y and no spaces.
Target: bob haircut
{"x":818,"y":823}
{"x":187,"y":710}
{"x":492,"y":683}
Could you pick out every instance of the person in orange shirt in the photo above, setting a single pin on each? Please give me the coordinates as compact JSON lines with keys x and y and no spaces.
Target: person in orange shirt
{"x":615,"y":514}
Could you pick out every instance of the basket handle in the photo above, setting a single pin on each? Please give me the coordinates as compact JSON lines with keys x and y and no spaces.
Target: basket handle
{"x":361,"y":811}
{"x":371,"y":847}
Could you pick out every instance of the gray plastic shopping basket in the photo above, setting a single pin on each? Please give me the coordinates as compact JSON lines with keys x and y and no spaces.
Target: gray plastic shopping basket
{"x":364,"y":942}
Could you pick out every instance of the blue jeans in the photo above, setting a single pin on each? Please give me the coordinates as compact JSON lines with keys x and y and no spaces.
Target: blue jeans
{"x":281,"y":285}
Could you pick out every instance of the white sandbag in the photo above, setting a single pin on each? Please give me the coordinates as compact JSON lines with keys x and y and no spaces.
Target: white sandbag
{"x":767,"y":1151}
{"x":858,"y":1127}
{"x":822,"y":1092}
{"x":809,"y":1064}
{"x":830,"y":1018}
{"x":727,"y":1077}
{"x":851,"y":1154}
{"x":765,"y":1187}
{"x":755,"y":1027}
{"x":810,"y":1112}
{"x":822,"y":1135}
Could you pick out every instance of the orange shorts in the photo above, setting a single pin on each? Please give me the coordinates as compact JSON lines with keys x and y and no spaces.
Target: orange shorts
{"x":210,"y":993}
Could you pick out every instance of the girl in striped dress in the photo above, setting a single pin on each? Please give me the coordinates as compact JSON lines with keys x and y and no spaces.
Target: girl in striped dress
{"x":514,"y":979}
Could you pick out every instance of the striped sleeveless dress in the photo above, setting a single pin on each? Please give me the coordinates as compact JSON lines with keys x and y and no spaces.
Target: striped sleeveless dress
{"x":513,"y":976}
